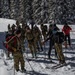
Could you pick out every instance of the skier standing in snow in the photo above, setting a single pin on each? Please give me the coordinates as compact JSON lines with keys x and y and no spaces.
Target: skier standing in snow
{"x":31,"y":41}
{"x":15,"y":44}
{"x":23,"y":36}
{"x":66,"y":29}
{"x":9,"y":35}
{"x":22,"y":29}
{"x":7,"y":38}
{"x":58,"y":39}
{"x":55,"y":38}
{"x":51,"y":43}
{"x":37,"y":38}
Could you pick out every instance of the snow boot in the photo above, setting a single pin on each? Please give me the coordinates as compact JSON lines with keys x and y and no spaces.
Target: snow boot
{"x":23,"y":70}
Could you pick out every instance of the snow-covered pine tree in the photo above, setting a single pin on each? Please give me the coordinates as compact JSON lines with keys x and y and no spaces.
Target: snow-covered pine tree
{"x":65,"y":11}
{"x":42,"y":11}
{"x":4,"y":9}
{"x":36,"y":10}
{"x":0,"y":9}
{"x":52,"y":8}
{"x":21,"y":5}
{"x":12,"y":9}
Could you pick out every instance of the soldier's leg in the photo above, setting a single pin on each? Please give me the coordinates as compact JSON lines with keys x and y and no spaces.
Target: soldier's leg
{"x":69,"y":40}
{"x":50,"y":48}
{"x":8,"y":55}
{"x":56,"y":53}
{"x":16,"y":61}
{"x":60,"y":53}
{"x":37,"y":46}
{"x":34,"y":45}
{"x":65,"y":41}
{"x":21,"y":59}
{"x":31,"y":49}
{"x":44,"y":36}
{"x":40,"y":45}
{"x":23,"y":47}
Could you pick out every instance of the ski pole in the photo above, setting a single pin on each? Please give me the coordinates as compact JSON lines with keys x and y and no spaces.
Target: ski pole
{"x":28,"y":60}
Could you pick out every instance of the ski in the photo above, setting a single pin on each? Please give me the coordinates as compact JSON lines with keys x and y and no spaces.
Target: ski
{"x":49,"y":67}
{"x":20,"y":72}
{"x":58,"y":66}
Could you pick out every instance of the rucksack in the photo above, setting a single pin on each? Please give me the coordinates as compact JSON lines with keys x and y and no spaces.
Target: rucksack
{"x":59,"y":37}
{"x":6,"y":45}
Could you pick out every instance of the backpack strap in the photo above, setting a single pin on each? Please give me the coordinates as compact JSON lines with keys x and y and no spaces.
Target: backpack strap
{"x":11,"y":39}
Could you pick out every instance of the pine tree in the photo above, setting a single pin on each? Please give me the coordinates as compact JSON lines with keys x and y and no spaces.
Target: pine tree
{"x":12,"y":9}
{"x":4,"y":9}
{"x":41,"y":11}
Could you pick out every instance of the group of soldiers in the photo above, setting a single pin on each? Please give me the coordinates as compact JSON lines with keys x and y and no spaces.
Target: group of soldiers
{"x":32,"y":35}
{"x":15,"y":43}
{"x":21,"y":32}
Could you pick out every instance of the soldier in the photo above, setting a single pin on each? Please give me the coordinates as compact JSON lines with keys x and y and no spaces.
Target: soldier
{"x":37,"y":38}
{"x":51,"y":43}
{"x":7,"y":37}
{"x":22,"y":29}
{"x":9,"y":34}
{"x":23,"y":36}
{"x":66,"y":29}
{"x":56,"y":38}
{"x":31,"y":41}
{"x":15,"y":44}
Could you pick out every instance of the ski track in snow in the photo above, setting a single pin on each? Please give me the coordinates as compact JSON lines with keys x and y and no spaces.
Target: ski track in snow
{"x":39,"y":66}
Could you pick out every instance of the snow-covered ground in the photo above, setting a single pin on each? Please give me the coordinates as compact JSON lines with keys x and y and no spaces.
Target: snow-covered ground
{"x":41,"y":65}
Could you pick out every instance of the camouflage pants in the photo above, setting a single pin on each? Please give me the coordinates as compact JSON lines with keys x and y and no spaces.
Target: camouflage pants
{"x":18,"y":58}
{"x":44,"y":35}
{"x":32,"y":47}
{"x":58,"y":48}
{"x":22,"y":44}
{"x":39,"y":45}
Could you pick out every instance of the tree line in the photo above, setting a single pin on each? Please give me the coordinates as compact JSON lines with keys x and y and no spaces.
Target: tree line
{"x":41,"y":11}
